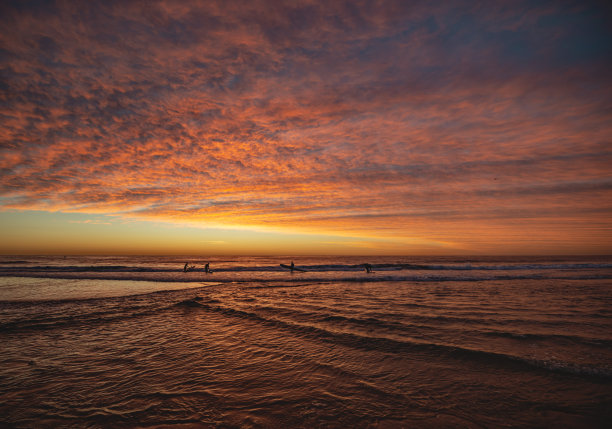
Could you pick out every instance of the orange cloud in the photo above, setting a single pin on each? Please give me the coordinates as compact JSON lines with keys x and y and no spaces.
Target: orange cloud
{"x":419,"y":122}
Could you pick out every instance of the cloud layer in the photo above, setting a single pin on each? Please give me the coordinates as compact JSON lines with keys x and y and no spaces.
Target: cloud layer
{"x":468,"y":124}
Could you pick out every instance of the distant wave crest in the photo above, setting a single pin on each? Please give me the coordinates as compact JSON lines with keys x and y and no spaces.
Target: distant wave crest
{"x":321,"y":272}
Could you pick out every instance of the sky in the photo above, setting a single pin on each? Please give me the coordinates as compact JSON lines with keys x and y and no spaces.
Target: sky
{"x":305,"y":127}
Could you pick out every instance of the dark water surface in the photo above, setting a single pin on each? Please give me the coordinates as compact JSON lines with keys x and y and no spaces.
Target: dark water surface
{"x":112,"y":342}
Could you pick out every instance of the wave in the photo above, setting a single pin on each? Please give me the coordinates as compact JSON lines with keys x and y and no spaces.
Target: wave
{"x":57,"y":313}
{"x":415,"y":324}
{"x":390,"y":345}
{"x":319,"y":327}
{"x":319,"y":268}
{"x":545,"y":337}
{"x":573,"y":266}
{"x":272,"y":279}
{"x":83,"y":269}
{"x":93,"y":318}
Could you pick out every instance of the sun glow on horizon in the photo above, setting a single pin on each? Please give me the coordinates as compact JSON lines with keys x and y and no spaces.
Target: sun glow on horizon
{"x":66,"y":233}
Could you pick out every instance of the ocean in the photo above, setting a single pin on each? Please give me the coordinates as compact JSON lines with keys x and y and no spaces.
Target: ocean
{"x":420,"y":342}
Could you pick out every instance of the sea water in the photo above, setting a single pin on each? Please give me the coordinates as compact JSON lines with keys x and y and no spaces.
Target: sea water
{"x":419,"y":342}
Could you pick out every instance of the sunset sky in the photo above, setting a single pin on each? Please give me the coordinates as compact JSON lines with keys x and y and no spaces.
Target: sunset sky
{"x":305,"y":127}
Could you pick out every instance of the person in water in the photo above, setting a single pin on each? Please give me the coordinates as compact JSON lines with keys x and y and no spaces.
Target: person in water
{"x":186,"y":267}
{"x":292,"y":265}
{"x":368,"y":268}
{"x":207,"y":268}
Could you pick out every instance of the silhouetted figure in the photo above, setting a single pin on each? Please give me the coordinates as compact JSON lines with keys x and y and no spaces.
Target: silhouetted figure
{"x":207,"y":268}
{"x":292,"y":266}
{"x":186,"y":267}
{"x":368,"y":268}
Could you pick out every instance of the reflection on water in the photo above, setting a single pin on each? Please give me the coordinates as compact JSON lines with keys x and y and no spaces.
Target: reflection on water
{"x":48,"y":289}
{"x":519,"y":353}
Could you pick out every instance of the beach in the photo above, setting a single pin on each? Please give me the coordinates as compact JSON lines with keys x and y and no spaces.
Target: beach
{"x":419,"y":342}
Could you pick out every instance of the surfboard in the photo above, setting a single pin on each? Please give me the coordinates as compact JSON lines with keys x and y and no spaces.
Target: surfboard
{"x":294,"y":268}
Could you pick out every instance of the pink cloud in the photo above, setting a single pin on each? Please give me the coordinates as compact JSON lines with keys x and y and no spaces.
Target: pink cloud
{"x":396,"y":120}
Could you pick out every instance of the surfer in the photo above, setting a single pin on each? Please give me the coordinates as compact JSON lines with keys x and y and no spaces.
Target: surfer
{"x":292,"y":267}
{"x":368,"y":268}
{"x":207,"y":268}
{"x":186,"y":267}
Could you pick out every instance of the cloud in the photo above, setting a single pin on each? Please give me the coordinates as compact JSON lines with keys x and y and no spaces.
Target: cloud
{"x":341,"y":116}
{"x":91,"y":221}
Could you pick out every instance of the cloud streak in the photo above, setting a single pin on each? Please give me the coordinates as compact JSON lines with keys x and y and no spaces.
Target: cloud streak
{"x":350,"y":118}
